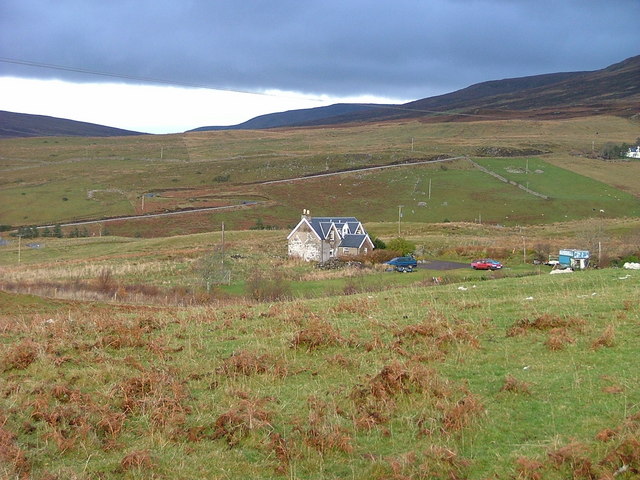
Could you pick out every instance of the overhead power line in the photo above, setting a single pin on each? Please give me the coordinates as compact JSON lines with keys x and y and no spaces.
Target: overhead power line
{"x":176,"y":83}
{"x":125,"y":76}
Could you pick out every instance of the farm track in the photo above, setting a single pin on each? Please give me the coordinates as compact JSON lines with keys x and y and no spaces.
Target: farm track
{"x":252,"y":204}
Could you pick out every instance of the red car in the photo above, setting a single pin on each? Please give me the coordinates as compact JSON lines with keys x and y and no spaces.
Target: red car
{"x":486,"y":264}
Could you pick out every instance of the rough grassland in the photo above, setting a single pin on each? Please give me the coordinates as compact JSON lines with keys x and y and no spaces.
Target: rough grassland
{"x":56,"y":180}
{"x":512,"y":378}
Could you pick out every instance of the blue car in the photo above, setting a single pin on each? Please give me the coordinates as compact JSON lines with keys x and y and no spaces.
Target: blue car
{"x":403,"y":264}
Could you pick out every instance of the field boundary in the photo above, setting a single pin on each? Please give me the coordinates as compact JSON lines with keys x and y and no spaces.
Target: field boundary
{"x":506,"y":180}
{"x":358,"y":170}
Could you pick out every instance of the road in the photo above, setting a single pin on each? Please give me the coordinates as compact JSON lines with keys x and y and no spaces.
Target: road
{"x":365,"y":169}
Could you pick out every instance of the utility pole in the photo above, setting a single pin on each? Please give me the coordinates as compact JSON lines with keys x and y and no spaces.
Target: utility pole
{"x":161,"y":152}
{"x":222,"y":245}
{"x":412,"y":144}
{"x":19,"y":246}
{"x":399,"y":217}
{"x":143,"y":202}
{"x":429,"y":189}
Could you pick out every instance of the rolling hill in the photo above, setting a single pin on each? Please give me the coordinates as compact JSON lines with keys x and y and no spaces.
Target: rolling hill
{"x":612,"y":90}
{"x":25,"y":125}
{"x":295,"y":117}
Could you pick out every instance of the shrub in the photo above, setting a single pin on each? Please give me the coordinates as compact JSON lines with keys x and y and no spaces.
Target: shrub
{"x":377,"y":256}
{"x":106,"y":283}
{"x":265,"y":288}
{"x":402,"y":245}
{"x":378,"y":243}
{"x":611,"y":150}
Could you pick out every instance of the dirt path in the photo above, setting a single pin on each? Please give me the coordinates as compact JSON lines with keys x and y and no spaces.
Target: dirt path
{"x":442,"y":265}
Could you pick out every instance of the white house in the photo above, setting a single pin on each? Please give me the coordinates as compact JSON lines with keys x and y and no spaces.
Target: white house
{"x":634,"y":153}
{"x":322,"y":238}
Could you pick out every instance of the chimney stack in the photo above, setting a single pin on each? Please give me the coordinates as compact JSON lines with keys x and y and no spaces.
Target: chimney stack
{"x":305,"y":214}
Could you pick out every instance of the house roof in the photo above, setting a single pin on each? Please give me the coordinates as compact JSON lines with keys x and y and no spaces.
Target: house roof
{"x":322,"y":225}
{"x":353,"y":241}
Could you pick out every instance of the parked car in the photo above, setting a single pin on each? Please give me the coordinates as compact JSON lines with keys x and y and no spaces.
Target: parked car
{"x":486,"y":264}
{"x":403,"y":264}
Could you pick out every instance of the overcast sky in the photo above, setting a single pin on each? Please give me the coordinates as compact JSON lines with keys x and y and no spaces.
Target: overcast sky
{"x":299,"y":53}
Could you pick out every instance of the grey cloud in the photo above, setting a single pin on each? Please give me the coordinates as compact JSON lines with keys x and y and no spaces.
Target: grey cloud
{"x":405,"y":48}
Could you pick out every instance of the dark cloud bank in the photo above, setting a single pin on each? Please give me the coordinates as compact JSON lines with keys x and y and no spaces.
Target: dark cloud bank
{"x":403,"y":49}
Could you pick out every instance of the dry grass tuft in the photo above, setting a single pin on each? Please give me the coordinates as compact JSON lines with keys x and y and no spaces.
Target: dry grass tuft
{"x":441,"y":331}
{"x":606,"y":434}
{"x":318,"y":333}
{"x":461,"y":413}
{"x":245,"y":417}
{"x":10,"y":453}
{"x":155,"y":393}
{"x":558,"y":339}
{"x":320,"y":433}
{"x":543,"y":323}
{"x":359,"y":306}
{"x":244,"y":362}
{"x":281,"y":449}
{"x":529,"y":469}
{"x":375,"y":399}
{"x":574,"y":456}
{"x":137,"y":460}
{"x":20,"y":356}
{"x":626,"y":452}
{"x":606,"y":339}
{"x":435,"y":463}
{"x":513,"y":385}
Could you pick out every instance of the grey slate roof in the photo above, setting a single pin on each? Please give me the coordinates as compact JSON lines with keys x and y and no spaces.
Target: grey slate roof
{"x":322,"y":225}
{"x":354,"y":241}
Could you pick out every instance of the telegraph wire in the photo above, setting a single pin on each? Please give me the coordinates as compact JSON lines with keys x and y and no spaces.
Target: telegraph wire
{"x":176,"y":83}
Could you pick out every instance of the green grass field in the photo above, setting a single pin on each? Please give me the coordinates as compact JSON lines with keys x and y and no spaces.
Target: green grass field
{"x":532,"y":377}
{"x":48,"y":181}
{"x":167,"y":350}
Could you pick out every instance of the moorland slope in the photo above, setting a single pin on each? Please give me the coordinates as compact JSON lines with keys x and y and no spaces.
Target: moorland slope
{"x":26,"y":125}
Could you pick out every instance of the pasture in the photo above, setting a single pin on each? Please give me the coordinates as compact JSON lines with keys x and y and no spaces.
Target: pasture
{"x":530,"y":377}
{"x":48,"y":181}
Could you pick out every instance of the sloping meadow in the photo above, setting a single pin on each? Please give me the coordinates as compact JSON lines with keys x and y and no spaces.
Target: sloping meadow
{"x":526,"y":378}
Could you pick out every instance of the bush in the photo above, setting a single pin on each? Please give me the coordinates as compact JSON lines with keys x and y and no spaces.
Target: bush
{"x":378,"y":243}
{"x":376,"y":256}
{"x":402,"y":245}
{"x":626,"y":259}
{"x":612,"y":151}
{"x":265,"y":288}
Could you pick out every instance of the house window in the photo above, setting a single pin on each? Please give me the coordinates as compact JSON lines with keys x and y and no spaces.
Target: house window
{"x":366,"y":250}
{"x":346,"y":249}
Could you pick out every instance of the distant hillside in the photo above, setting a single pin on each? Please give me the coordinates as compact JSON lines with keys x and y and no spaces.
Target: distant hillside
{"x":26,"y":125}
{"x":294,"y":117}
{"x":613,"y":90}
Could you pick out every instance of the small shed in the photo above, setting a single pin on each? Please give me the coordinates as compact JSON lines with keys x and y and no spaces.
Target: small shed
{"x":576,"y":259}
